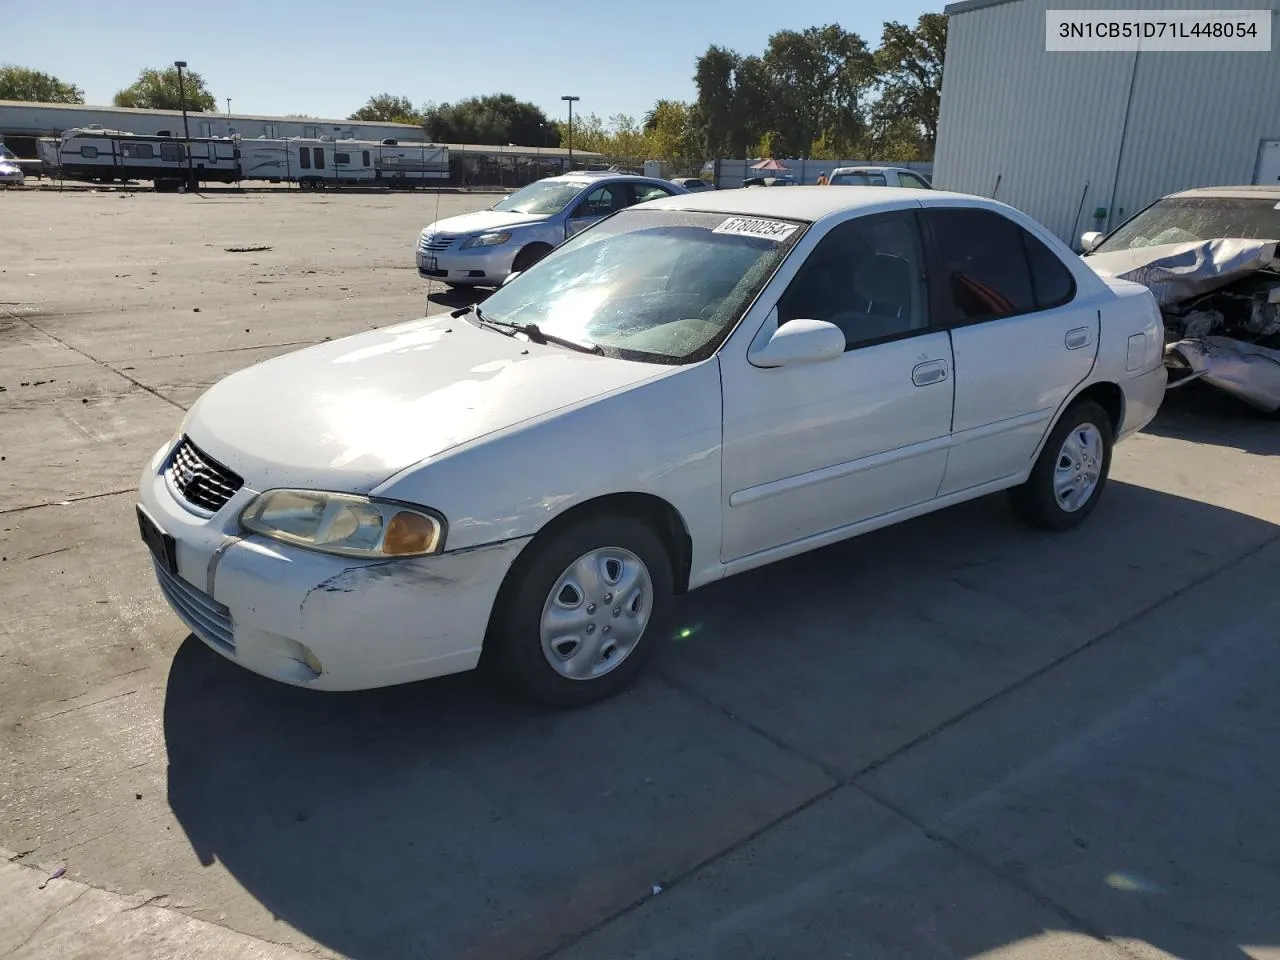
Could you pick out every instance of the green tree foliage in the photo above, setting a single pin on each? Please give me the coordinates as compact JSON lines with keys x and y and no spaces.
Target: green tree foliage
{"x":494,"y":119}
{"x":822,"y":93}
{"x":22,"y":83}
{"x":910,"y":66}
{"x":158,"y":90}
{"x":388,"y":108}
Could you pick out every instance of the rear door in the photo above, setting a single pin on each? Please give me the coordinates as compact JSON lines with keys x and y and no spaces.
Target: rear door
{"x":1022,"y":339}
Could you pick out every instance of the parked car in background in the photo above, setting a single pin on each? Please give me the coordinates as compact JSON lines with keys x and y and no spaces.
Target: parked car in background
{"x":698,"y":386}
{"x":787,"y":181}
{"x":483,"y":248}
{"x":877,"y":177}
{"x":10,"y":168}
{"x":692,"y":184}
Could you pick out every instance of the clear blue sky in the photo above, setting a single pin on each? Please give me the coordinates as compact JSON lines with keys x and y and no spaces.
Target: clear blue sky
{"x":326,"y":57}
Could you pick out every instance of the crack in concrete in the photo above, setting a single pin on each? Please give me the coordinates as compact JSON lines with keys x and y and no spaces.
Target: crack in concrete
{"x":44,"y":923}
{"x":59,"y":503}
{"x":88,"y":356}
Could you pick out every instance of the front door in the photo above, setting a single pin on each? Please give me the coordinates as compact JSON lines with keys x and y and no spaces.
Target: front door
{"x":1022,"y":340}
{"x":597,"y":204}
{"x":812,"y":447}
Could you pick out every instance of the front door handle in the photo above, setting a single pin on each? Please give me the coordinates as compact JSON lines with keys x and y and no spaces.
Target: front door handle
{"x":1077,"y":338}
{"x":931,"y":371}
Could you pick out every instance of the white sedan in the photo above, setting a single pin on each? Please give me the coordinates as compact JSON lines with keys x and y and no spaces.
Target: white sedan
{"x":687,"y":390}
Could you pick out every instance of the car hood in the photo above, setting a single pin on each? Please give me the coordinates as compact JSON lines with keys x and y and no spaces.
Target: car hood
{"x":349,"y":414}
{"x":483,"y":220}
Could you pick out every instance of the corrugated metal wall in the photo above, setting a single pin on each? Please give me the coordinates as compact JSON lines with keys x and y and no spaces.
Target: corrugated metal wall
{"x":1049,"y":126}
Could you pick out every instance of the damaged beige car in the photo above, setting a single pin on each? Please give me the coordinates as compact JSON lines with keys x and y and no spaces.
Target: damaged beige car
{"x":1209,"y":257}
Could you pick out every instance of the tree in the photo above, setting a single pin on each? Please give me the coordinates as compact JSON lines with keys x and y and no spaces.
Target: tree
{"x":158,"y":90}
{"x":672,"y":133}
{"x":910,"y":64}
{"x":819,"y":78}
{"x":493,"y":119}
{"x":713,"y":75}
{"x":22,"y":83}
{"x":387,"y":108}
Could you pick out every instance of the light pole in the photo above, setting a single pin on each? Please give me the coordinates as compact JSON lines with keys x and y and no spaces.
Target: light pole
{"x":570,"y":100}
{"x":228,"y":106}
{"x":186,"y":131}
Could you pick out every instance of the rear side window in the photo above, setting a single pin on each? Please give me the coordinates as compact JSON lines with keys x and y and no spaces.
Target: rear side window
{"x":1051,"y":280}
{"x":980,"y":265}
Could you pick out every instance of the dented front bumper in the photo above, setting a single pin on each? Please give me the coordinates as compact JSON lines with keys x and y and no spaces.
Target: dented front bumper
{"x":315,"y":620}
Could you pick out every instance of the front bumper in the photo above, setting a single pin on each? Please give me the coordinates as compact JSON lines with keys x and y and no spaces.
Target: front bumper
{"x":314,"y":620}
{"x":479,"y":266}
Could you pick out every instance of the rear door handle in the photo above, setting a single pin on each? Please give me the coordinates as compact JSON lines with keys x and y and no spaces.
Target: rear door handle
{"x":931,"y":371}
{"x":1077,"y":338}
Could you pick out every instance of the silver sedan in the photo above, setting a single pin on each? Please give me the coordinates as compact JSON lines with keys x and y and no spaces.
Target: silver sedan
{"x":481,"y":249}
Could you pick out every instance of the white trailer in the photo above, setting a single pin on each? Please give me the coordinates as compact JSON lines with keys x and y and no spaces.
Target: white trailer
{"x":318,"y":163}
{"x":105,"y":156}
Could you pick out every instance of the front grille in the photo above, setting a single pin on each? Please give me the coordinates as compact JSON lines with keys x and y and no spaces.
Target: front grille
{"x":204,"y":616}
{"x":434,"y":243}
{"x":200,"y":479}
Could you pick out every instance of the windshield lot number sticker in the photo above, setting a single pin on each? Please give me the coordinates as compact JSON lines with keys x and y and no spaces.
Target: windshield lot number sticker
{"x":751,"y":227}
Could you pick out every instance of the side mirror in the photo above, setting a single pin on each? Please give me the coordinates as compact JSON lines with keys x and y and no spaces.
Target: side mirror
{"x":509,"y":277}
{"x":1090,"y":240}
{"x":800,"y":341}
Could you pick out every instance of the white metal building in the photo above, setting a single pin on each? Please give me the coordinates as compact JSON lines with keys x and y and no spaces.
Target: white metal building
{"x":1062,"y":135}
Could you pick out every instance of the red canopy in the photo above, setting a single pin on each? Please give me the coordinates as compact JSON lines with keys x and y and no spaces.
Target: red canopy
{"x":770,"y":164}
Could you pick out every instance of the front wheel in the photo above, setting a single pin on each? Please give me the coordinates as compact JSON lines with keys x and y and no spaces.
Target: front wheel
{"x":1071,"y":471}
{"x":576,"y":620}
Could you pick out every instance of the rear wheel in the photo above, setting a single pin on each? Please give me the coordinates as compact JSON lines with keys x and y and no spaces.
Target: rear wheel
{"x":1071,"y":471}
{"x":576,"y":621}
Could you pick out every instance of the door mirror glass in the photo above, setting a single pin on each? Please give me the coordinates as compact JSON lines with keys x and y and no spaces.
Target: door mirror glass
{"x":1090,"y":240}
{"x":800,"y":341}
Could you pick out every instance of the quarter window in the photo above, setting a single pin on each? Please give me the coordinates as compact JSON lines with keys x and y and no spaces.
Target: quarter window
{"x":866,"y":277}
{"x":911,"y":180}
{"x":1054,"y":285}
{"x":981,"y":265}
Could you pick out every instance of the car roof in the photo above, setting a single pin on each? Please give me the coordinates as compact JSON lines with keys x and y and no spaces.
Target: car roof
{"x":592,"y":177}
{"x":1261,"y":191}
{"x":809,"y":203}
{"x":873,"y":169}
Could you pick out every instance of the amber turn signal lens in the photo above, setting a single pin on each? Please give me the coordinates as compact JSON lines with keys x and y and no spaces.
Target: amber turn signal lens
{"x":409,"y":534}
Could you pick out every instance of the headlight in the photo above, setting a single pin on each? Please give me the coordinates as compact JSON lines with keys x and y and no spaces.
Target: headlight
{"x":486,"y":240}
{"x":343,"y":523}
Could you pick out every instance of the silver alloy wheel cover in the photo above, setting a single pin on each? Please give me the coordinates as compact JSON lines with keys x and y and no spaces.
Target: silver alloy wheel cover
{"x":596,"y":613}
{"x":1078,"y":467}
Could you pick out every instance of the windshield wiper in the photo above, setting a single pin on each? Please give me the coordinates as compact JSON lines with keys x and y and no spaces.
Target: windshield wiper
{"x":530,"y":330}
{"x":538,"y":335}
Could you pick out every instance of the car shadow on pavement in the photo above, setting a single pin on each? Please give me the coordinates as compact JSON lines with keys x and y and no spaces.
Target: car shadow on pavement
{"x":456,"y":298}
{"x":1203,"y":414}
{"x":443,"y":820}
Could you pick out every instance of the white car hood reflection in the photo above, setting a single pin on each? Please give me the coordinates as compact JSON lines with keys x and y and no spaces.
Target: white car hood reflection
{"x":349,"y":414}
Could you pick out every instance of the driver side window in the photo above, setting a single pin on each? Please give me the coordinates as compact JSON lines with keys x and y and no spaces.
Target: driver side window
{"x":867,"y":277}
{"x":601,"y":202}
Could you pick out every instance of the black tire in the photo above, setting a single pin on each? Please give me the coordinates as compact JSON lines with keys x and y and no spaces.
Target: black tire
{"x":1035,"y":502}
{"x":514,"y":647}
{"x":530,"y":255}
